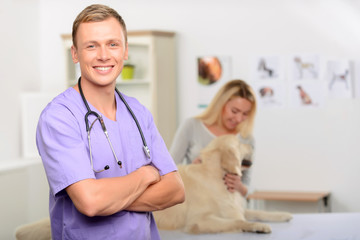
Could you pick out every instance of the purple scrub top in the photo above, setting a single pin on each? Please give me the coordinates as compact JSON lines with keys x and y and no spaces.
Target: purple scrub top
{"x":63,"y":146}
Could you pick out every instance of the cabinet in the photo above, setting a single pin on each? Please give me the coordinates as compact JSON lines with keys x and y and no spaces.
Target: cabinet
{"x":154,"y":80}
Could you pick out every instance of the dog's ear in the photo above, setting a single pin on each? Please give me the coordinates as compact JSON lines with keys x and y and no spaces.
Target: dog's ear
{"x":230,"y":161}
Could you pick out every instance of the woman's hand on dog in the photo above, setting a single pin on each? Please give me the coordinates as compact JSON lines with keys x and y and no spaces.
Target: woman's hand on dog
{"x":234,"y":183}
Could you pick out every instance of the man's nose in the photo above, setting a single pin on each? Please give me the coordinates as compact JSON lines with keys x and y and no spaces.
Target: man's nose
{"x":103,"y":53}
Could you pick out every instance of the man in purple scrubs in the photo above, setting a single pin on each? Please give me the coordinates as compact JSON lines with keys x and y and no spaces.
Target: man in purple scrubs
{"x":87,"y":201}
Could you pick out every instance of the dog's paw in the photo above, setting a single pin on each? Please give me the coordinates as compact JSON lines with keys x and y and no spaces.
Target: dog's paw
{"x":193,"y":229}
{"x":261,"y":228}
{"x":285,"y":217}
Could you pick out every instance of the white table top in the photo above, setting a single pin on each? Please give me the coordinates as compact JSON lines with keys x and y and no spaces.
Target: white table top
{"x":317,"y":226}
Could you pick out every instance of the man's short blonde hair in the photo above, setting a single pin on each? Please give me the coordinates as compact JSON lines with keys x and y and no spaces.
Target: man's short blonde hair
{"x":96,"y":13}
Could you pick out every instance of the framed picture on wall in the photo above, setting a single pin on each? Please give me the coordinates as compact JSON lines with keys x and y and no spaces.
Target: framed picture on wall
{"x":356,"y":75}
{"x":267,"y":68}
{"x":307,"y":94}
{"x":270,"y":94}
{"x":339,"y":79}
{"x":304,"y":67}
{"x":213,"y":72}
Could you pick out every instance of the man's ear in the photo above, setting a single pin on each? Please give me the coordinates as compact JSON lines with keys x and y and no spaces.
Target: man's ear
{"x":74,"y":54}
{"x":126,"y":53}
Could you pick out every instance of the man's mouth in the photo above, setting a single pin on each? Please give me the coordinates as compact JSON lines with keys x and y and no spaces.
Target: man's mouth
{"x":103,"y":68}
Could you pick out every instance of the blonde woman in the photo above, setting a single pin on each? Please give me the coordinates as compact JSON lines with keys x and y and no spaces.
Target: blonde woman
{"x":231,"y":111}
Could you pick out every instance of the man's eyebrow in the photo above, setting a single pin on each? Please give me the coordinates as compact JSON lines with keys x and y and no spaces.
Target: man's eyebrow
{"x":115,"y":40}
{"x":108,"y":40}
{"x":91,"y":41}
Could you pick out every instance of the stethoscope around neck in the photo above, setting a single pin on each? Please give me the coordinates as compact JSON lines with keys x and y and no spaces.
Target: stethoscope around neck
{"x":101,"y":120}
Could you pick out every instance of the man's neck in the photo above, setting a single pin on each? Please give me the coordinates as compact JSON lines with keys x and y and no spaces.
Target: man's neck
{"x":102,"y":98}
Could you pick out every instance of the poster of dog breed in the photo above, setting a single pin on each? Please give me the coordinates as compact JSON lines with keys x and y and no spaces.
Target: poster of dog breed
{"x":209,"y":207}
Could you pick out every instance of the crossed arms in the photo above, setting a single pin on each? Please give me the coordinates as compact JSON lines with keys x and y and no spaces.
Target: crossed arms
{"x":141,"y":190}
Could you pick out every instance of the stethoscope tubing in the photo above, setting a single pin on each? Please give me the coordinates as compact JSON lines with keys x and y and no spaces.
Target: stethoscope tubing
{"x":145,"y":147}
{"x":99,"y":117}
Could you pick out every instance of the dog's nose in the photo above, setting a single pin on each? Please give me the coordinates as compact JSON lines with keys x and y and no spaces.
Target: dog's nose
{"x":246,"y":163}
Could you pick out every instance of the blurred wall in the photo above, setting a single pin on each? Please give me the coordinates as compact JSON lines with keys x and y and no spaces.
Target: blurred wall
{"x":296,"y":149}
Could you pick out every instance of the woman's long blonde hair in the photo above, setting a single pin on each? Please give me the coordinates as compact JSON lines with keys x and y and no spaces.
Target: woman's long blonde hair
{"x":235,"y":88}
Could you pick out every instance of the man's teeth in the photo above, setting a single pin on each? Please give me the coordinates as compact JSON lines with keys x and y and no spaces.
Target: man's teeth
{"x":103,"y":68}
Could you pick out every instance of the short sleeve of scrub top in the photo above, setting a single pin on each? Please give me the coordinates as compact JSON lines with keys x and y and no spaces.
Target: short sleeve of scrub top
{"x":61,"y":146}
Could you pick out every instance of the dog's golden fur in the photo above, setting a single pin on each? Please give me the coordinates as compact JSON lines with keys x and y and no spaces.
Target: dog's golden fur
{"x":209,"y":207}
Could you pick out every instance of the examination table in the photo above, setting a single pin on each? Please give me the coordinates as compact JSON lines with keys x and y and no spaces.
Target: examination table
{"x":317,"y":226}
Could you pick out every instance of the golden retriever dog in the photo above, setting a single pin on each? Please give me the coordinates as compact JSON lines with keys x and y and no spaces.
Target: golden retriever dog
{"x":209,"y":207}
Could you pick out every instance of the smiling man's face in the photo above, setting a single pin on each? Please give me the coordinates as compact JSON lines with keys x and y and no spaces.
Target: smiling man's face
{"x":101,"y":51}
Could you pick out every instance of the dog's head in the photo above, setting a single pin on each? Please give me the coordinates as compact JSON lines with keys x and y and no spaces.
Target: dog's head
{"x":230,"y":151}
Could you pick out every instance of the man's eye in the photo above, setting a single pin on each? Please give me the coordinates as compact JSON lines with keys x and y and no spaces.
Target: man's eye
{"x":90,"y":46}
{"x":113,"y":44}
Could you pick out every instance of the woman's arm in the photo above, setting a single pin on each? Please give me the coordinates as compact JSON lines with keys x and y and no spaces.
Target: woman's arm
{"x":167,"y":192}
{"x":181,"y":142}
